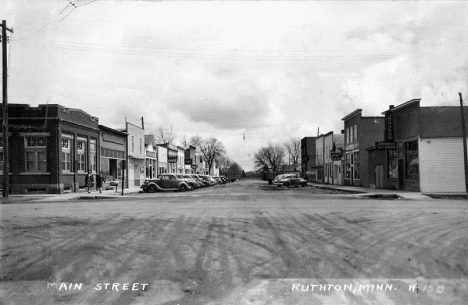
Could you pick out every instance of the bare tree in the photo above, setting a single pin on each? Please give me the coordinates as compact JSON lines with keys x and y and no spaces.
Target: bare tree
{"x":196,"y":141}
{"x":293,"y":149}
{"x":165,"y":135}
{"x":269,"y":158}
{"x":224,"y":164}
{"x":235,"y":170}
{"x":211,"y":150}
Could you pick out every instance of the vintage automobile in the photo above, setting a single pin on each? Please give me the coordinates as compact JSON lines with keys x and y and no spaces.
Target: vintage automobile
{"x":191,"y":181}
{"x":203,"y":182}
{"x":165,"y":182}
{"x":289,"y":180}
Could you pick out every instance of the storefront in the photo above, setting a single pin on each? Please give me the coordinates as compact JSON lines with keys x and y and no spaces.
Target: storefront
{"x":112,"y":153}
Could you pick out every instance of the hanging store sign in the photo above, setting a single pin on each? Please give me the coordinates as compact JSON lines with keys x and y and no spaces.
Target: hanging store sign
{"x":389,"y":136}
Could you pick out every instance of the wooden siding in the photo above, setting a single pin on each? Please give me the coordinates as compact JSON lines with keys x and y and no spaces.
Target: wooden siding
{"x":441,"y":166}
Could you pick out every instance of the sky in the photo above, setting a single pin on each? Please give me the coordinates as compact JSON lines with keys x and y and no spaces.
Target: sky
{"x":269,"y":70}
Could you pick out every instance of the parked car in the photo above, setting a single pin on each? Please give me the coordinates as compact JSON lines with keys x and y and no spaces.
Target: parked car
{"x":289,"y":180}
{"x":165,"y":182}
{"x":220,"y":180}
{"x":200,"y":179}
{"x":191,"y":181}
{"x":209,"y":179}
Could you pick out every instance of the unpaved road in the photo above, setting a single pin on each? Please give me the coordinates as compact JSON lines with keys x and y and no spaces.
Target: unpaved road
{"x":236,"y":244}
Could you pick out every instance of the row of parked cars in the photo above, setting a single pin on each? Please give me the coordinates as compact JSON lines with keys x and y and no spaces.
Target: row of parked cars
{"x":181,"y":182}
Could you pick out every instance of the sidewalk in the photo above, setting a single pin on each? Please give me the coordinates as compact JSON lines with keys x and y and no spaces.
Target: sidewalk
{"x":106,"y":194}
{"x":365,"y":192}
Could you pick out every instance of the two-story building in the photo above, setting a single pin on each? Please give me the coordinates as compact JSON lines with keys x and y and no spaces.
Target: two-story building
{"x":360,"y":133}
{"x":136,"y":154}
{"x":308,"y":159}
{"x":151,"y":155}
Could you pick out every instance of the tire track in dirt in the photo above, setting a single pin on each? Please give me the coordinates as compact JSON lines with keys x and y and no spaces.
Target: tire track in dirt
{"x":167,"y":261}
{"x":23,"y":270}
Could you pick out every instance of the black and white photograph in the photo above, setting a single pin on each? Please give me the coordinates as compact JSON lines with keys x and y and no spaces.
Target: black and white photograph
{"x":158,"y":152}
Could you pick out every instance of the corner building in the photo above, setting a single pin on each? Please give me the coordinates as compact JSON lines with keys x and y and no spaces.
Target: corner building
{"x":51,"y":148}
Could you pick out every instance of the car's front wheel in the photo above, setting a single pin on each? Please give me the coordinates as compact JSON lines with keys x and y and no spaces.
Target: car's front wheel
{"x":152,"y":188}
{"x":287,"y":184}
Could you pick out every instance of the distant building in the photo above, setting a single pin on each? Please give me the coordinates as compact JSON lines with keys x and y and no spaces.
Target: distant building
{"x":319,"y":158}
{"x":333,"y":144}
{"x":337,"y":158}
{"x":180,"y":159}
{"x":172,"y":157}
{"x":162,"y":159}
{"x":151,"y":155}
{"x":190,"y":164}
{"x":308,"y":159}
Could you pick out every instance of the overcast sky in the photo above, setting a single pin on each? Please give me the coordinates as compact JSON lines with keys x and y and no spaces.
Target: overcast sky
{"x":269,"y":70}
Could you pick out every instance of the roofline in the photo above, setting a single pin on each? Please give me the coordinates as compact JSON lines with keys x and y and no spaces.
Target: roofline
{"x":113,"y":130}
{"x":405,"y":104}
{"x":355,"y":112}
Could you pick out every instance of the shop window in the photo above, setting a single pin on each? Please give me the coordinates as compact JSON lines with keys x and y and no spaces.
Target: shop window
{"x":36,"y":158}
{"x":81,"y":155}
{"x":348,"y":166}
{"x":393,"y":164}
{"x":66,"y":156}
{"x":357,"y":166}
{"x":412,"y":160}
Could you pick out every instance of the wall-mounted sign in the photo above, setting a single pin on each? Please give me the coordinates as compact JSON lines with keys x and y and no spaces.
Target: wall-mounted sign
{"x":172,"y":159}
{"x":194,"y":166}
{"x":385,"y":145}
{"x":188,"y":161}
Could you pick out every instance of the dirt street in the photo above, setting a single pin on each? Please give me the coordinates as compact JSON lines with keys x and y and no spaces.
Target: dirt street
{"x":240,"y":243}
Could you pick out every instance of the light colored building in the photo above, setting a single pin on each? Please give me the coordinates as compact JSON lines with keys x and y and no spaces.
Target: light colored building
{"x":319,"y":157}
{"x":162,"y":159}
{"x":180,"y":159}
{"x":150,"y":157}
{"x":136,"y":154}
{"x":327,"y":159}
{"x":202,"y":167}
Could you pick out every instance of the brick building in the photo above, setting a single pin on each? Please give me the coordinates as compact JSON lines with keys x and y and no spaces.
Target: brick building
{"x":360,"y":133}
{"x":428,"y":154}
{"x":308,"y":161}
{"x":51,"y":148}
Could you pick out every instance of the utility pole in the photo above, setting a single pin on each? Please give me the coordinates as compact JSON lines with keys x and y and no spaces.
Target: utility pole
{"x":6,"y":159}
{"x":464,"y":143}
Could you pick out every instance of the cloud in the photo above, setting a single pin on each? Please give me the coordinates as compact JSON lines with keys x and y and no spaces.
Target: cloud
{"x":431,"y":62}
{"x":244,"y":111}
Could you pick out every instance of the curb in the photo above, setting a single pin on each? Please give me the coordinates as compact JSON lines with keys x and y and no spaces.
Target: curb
{"x":339,"y":189}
